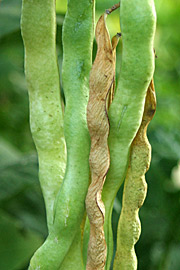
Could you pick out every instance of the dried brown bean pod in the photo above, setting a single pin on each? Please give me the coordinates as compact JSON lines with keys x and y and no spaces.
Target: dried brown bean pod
{"x":135,"y":188}
{"x":101,"y":81}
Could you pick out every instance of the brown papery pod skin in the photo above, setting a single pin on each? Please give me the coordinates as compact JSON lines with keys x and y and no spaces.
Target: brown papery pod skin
{"x":101,"y":83}
{"x":135,"y":189}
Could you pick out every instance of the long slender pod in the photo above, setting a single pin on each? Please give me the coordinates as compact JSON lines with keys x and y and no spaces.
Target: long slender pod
{"x":138,"y":22}
{"x":101,"y":81}
{"x":135,"y":189}
{"x":38,"y":27}
{"x":81,"y":18}
{"x":70,"y":201}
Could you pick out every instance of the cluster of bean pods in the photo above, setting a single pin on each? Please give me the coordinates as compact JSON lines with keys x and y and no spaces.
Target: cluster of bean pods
{"x":65,"y":200}
{"x":63,"y":141}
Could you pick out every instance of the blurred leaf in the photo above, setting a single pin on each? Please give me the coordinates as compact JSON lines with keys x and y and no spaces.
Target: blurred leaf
{"x":174,"y":258}
{"x":10,"y":11}
{"x":16,"y":176}
{"x":20,"y":193}
{"x":8,"y":153}
{"x":13,"y":94}
{"x":166,"y":144}
{"x":16,"y":243}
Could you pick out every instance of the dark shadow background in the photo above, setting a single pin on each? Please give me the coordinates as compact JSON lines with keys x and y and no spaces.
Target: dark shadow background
{"x":22,"y":213}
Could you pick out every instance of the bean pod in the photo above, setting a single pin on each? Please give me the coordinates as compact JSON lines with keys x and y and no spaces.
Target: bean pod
{"x":78,"y":34}
{"x":46,"y":119}
{"x":137,"y":21}
{"x":69,"y":204}
{"x":101,"y":81}
{"x":135,"y":189}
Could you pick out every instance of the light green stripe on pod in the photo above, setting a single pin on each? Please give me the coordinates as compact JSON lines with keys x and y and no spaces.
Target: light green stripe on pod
{"x":138,"y":22}
{"x":70,"y":201}
{"x":38,"y":26}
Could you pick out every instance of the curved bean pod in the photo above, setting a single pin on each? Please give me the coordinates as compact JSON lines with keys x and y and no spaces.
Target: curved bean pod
{"x":112,"y":54}
{"x":135,"y":188}
{"x":82,"y":34}
{"x":69,"y":204}
{"x":138,"y":22}
{"x":46,"y":119}
{"x":101,"y":81}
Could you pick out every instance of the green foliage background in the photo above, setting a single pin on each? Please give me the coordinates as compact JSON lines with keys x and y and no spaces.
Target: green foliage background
{"x":22,"y":213}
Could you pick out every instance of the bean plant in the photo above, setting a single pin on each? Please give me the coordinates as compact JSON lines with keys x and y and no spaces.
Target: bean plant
{"x":94,"y":139}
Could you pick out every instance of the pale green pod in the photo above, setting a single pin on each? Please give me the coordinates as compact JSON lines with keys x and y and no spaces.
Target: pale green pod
{"x":73,"y":259}
{"x":38,"y":27}
{"x":70,"y":201}
{"x":135,"y":189}
{"x":79,"y":31}
{"x":138,"y":22}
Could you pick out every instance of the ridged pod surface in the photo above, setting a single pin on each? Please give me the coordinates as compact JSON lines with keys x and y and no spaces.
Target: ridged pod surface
{"x":69,"y":205}
{"x":101,"y":81}
{"x":138,"y":23}
{"x":46,"y":119}
{"x":135,"y":189}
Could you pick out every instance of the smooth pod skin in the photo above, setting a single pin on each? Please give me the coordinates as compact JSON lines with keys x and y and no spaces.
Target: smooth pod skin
{"x":73,"y":259}
{"x":78,"y":30}
{"x":46,"y":119}
{"x":135,"y":189}
{"x":70,"y":201}
{"x":138,"y":22}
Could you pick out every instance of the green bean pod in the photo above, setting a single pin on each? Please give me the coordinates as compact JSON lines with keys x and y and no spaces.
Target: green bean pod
{"x":38,"y":27}
{"x":73,"y":259}
{"x":138,"y":22}
{"x":135,"y":189}
{"x":70,"y":201}
{"x":79,"y":57}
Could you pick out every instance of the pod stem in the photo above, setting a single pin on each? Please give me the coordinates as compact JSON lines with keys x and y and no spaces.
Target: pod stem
{"x":114,"y":7}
